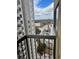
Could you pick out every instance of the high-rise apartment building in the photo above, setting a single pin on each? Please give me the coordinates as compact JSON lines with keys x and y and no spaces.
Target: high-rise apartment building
{"x":20,"y":20}
{"x":25,"y":23}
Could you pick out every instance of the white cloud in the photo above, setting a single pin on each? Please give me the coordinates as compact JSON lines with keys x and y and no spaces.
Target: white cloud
{"x":43,"y":12}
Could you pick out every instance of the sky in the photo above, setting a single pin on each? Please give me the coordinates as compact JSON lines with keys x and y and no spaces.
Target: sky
{"x":43,"y":9}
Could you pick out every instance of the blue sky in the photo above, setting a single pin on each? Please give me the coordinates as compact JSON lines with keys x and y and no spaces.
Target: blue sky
{"x":43,"y":9}
{"x":44,"y":3}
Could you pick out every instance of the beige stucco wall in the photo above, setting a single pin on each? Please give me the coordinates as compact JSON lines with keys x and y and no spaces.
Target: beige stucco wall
{"x":58,"y":35}
{"x":56,"y":2}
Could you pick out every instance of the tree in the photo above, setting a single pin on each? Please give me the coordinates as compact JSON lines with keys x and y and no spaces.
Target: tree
{"x":37,"y":31}
{"x":41,"y":48}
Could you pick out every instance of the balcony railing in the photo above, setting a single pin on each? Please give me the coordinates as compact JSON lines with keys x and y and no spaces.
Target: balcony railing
{"x":36,"y":47}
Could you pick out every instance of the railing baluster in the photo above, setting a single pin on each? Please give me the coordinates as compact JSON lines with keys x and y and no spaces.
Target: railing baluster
{"x":31,"y":48}
{"x":35,"y":48}
{"x":54,"y":47}
{"x":40,"y":54}
{"x":27,"y":49}
{"x":44,"y":50}
{"x":49,"y":47}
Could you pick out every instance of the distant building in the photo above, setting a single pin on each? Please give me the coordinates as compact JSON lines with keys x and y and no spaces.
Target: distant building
{"x":46,"y":26}
{"x":20,"y":21}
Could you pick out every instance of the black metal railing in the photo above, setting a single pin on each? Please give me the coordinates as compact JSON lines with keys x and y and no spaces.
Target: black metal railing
{"x":36,"y":47}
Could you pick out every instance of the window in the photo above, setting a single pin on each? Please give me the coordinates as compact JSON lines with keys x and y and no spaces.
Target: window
{"x":29,"y":26}
{"x":28,"y":21}
{"x":20,"y":15}
{"x":18,"y":2}
{"x":18,"y":10}
{"x":18,"y":18}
